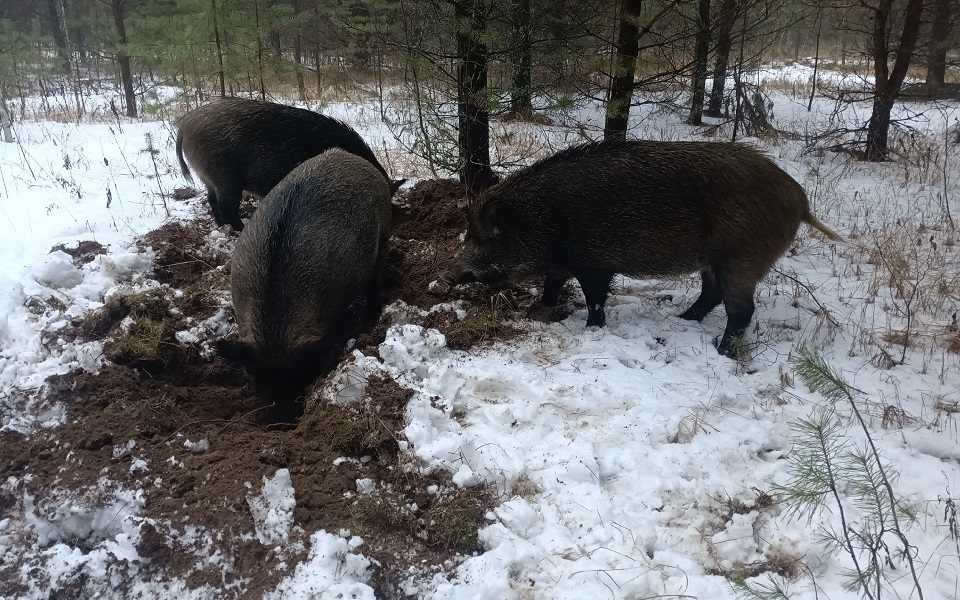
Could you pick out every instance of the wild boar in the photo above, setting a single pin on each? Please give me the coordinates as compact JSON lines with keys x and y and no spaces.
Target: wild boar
{"x":644,"y":209}
{"x":317,"y":244}
{"x":238,"y":144}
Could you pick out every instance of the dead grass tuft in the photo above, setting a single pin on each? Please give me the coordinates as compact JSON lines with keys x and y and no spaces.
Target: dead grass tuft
{"x":141,"y":343}
{"x":524,"y":488}
{"x":151,"y":305}
{"x":950,"y":339}
{"x":448,"y":519}
{"x":482,"y":325}
{"x":898,"y":338}
{"x":455,"y":518}
{"x":372,"y":427}
{"x":786,"y":566}
{"x":895,"y":417}
{"x":945,"y":406}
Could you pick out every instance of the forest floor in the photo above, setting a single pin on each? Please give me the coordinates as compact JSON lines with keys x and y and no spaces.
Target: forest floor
{"x":472,"y":444}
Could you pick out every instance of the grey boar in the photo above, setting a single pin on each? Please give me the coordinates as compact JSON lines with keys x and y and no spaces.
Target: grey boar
{"x":644,"y":209}
{"x":317,"y":244}
{"x":237,"y":145}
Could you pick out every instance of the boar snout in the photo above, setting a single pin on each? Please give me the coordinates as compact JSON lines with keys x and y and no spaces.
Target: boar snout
{"x":458,"y":274}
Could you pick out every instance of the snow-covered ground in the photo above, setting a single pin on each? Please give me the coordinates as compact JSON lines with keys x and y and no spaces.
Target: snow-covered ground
{"x":633,"y":461}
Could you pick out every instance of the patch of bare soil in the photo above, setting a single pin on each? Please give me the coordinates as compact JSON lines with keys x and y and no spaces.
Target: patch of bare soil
{"x":158,"y":392}
{"x":124,"y":414}
{"x":83,"y":253}
{"x":427,"y":226}
{"x":184,"y":193}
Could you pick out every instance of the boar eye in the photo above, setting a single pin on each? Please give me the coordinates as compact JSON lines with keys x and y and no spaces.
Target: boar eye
{"x":496,"y":230}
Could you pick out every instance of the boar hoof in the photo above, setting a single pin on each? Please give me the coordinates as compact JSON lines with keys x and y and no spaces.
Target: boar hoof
{"x":730,"y":347}
{"x":596,"y":318}
{"x":691,"y":315}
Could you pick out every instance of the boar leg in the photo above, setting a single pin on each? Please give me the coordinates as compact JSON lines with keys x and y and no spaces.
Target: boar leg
{"x":738,"y":284}
{"x":596,"y":287}
{"x":214,"y":205}
{"x":372,"y":295}
{"x":552,"y":286}
{"x":372,"y":305}
{"x":229,"y":201}
{"x":709,"y":298}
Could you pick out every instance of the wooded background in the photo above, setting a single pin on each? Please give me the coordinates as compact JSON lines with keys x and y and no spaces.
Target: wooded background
{"x":470,"y":59}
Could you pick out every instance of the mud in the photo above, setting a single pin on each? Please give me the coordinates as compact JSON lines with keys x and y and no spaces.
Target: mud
{"x":157,"y":393}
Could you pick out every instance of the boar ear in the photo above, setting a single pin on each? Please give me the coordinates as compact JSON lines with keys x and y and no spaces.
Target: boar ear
{"x":236,"y":351}
{"x":395,"y":185}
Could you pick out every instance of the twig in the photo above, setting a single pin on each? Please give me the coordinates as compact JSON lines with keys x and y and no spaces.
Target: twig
{"x":813,"y":297}
{"x":212,"y":421}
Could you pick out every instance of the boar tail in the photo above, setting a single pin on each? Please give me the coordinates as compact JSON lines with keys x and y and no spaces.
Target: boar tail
{"x":812,"y":221}
{"x":183,"y":163}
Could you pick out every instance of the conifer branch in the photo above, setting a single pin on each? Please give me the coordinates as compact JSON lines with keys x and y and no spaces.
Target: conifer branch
{"x":817,"y":374}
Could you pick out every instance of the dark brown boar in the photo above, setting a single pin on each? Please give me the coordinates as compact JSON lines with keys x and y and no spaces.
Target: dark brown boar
{"x":316,"y":245}
{"x":644,"y":209}
{"x":237,"y":145}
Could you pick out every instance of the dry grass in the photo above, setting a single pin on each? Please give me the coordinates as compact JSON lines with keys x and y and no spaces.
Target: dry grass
{"x":141,"y":343}
{"x":950,"y":338}
{"x":425,"y":506}
{"x":524,"y":488}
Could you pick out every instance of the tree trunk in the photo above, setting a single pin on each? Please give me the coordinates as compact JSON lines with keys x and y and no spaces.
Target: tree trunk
{"x":725,"y":22}
{"x":701,"y":55}
{"x":59,"y":33}
{"x":316,"y":51}
{"x":221,"y":75}
{"x":520,"y":100}
{"x":126,"y":77}
{"x":75,"y":31}
{"x":276,"y":31}
{"x":474,"y":119}
{"x":5,"y":120}
{"x":888,"y":83}
{"x":298,"y":57}
{"x":620,"y":94}
{"x":256,"y":22}
{"x":816,"y":59}
{"x":939,"y":42}
{"x":277,"y":47}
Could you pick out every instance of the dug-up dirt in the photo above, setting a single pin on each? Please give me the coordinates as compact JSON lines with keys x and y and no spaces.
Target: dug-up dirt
{"x":159,"y":390}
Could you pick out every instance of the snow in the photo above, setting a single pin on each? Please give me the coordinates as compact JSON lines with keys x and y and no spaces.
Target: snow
{"x":272,"y":509}
{"x":63,"y":183}
{"x":110,"y":529}
{"x":634,"y":442}
{"x":366,"y":485}
{"x":331,"y":571}
{"x":198,"y":447}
